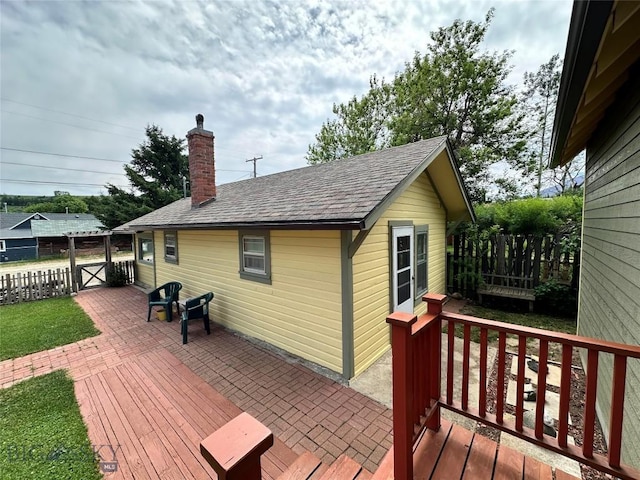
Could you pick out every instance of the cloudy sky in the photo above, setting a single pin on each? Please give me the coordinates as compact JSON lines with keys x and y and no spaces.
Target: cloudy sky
{"x":81,"y":80}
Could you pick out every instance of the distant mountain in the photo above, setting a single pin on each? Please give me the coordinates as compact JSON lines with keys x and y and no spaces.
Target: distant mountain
{"x":555,"y":189}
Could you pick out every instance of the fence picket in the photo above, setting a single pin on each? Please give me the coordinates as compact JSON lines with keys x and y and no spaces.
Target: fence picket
{"x":521,"y":261}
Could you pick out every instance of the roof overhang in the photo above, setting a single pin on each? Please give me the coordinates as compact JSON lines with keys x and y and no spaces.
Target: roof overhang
{"x":349,"y":224}
{"x":603,"y":43}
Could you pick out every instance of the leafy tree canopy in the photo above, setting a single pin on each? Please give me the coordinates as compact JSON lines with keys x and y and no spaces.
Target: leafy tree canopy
{"x":532,"y":216}
{"x":454,"y":89}
{"x":62,"y":202}
{"x":155,"y":173}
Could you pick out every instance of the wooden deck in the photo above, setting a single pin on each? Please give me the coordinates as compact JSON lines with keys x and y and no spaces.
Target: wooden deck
{"x":456,"y":453}
{"x":153,"y":411}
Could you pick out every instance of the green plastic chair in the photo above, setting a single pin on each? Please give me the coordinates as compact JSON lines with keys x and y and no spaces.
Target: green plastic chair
{"x":164,"y":296}
{"x":195,"y":308}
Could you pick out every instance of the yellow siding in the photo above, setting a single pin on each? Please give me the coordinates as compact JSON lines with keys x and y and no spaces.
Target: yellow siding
{"x":419,"y":204}
{"x":300,"y":312}
{"x":144,"y":275}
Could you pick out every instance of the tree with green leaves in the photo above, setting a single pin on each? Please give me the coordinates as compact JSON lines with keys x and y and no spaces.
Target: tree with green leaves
{"x":540,"y":96}
{"x":62,"y":202}
{"x":454,"y":89}
{"x":156,"y":172}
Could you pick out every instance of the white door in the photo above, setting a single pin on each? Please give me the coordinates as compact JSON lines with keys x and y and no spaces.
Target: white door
{"x":402,"y":269}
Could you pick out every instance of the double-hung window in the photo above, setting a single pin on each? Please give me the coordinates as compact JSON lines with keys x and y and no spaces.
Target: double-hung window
{"x":254,"y":249}
{"x":422,"y":244}
{"x":171,"y":247}
{"x":145,"y":248}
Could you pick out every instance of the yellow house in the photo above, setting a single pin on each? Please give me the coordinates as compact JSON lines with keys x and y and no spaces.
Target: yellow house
{"x":310,"y":260}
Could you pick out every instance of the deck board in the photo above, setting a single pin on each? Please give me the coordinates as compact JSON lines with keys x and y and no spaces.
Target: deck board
{"x":454,"y":452}
{"x":481,"y":459}
{"x":426,"y":455}
{"x":535,"y":470}
{"x":157,"y":410}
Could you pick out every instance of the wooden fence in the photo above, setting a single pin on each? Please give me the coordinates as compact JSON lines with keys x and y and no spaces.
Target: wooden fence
{"x":38,"y":285}
{"x":30,"y":286}
{"x":529,"y":259}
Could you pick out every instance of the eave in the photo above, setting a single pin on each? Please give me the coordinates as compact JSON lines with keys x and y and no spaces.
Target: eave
{"x":603,"y":43}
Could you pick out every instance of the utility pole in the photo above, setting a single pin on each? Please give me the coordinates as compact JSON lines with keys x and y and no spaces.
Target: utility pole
{"x":254,"y":160}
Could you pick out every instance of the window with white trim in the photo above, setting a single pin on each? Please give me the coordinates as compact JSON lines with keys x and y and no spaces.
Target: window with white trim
{"x":254,"y":249}
{"x":145,"y":248}
{"x":3,"y":246}
{"x":171,"y":247}
{"x":422,"y":244}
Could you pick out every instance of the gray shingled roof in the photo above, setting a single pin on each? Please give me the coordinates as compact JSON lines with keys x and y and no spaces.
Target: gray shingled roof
{"x":9,"y":220}
{"x":342,"y":192}
{"x":58,"y":228}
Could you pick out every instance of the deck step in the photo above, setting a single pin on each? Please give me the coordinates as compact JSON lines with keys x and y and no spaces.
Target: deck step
{"x":344,"y":468}
{"x":303,"y":468}
{"x":385,"y":470}
{"x":562,"y":475}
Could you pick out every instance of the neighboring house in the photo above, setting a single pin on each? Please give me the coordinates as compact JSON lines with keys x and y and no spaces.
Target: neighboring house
{"x":26,"y":236}
{"x":599,"y":110}
{"x":310,"y":260}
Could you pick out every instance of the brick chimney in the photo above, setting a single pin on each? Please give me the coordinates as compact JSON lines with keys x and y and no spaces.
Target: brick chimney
{"x":202,"y":171}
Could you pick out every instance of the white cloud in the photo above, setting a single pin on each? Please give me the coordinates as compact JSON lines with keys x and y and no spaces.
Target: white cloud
{"x":264,"y":74}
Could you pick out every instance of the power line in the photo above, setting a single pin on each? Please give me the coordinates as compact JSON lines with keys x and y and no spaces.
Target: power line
{"x":55,"y":167}
{"x":42,"y":182}
{"x":67,"y":113}
{"x":90,"y":158}
{"x":61,"y":155}
{"x":72,"y":125}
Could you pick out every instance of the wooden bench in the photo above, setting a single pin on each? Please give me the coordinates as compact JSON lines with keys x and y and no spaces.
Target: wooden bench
{"x":519,"y":288}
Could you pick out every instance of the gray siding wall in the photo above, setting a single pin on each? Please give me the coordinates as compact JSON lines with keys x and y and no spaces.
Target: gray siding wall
{"x":610,"y":266}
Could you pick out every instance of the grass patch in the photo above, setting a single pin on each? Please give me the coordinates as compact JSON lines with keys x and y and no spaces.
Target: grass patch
{"x":36,"y":326}
{"x":43,"y":435}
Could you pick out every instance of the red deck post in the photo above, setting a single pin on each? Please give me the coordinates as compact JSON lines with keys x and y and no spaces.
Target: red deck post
{"x":403,"y":390}
{"x":434,"y":306}
{"x":234,"y":450}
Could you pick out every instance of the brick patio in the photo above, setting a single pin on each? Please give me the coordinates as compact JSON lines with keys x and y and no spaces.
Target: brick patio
{"x":305,"y":410}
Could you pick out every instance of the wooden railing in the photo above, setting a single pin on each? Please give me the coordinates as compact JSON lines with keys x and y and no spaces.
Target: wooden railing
{"x":416,"y":344}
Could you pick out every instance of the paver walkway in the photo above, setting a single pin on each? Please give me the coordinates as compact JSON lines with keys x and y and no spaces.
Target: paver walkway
{"x":306,"y":410}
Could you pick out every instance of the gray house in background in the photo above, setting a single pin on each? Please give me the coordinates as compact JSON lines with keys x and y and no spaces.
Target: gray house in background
{"x":599,"y":110}
{"x":27,"y":236}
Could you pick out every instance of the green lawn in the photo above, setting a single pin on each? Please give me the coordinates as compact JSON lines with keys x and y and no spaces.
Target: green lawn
{"x":35,"y":326}
{"x":43,"y":435}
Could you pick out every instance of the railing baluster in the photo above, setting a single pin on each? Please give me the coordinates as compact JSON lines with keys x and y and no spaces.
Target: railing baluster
{"x":466,"y":351}
{"x":435,"y":349}
{"x":482,"y":393}
{"x":542,"y":387}
{"x":522,"y":352}
{"x":590,"y":403}
{"x":420,"y":376}
{"x":502,"y":349}
{"x":565,"y":394}
{"x":450,"y":346}
{"x":617,"y":409}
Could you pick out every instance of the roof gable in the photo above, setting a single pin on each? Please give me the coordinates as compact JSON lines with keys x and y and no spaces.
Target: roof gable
{"x":339,"y":194}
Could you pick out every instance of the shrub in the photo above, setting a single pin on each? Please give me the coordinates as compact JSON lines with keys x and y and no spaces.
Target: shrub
{"x":556,"y":298}
{"x":116,"y":276}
